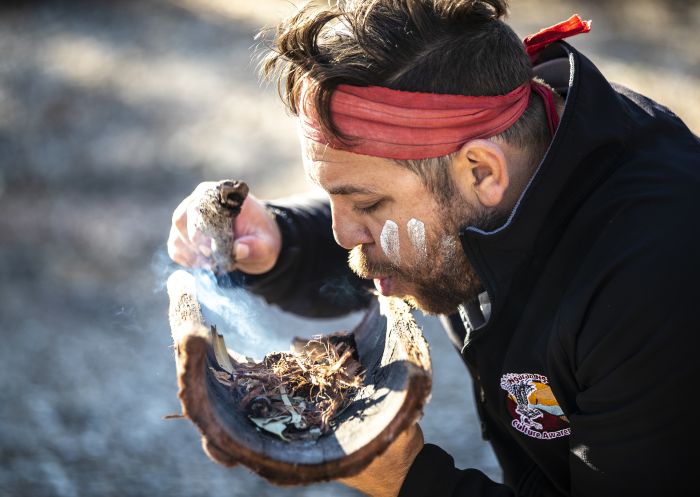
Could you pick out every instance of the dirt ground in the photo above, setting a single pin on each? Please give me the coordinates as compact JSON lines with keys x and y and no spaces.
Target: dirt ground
{"x":110,"y":113}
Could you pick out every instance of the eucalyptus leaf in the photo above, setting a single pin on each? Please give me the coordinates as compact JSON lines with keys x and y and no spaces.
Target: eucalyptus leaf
{"x":273,"y":425}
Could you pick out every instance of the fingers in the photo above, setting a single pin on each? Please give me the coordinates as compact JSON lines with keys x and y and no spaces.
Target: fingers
{"x":194,"y":236}
{"x":179,"y":220}
{"x":181,"y":247}
{"x":178,"y":250}
{"x":184,"y":253}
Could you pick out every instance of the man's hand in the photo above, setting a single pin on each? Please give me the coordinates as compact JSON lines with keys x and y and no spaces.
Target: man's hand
{"x":385,"y":475}
{"x":258,"y":240}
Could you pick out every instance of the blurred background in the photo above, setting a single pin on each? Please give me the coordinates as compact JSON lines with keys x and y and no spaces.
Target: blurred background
{"x":110,"y":114}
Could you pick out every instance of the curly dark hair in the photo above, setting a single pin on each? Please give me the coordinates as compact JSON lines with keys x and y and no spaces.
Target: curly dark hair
{"x":437,"y":46}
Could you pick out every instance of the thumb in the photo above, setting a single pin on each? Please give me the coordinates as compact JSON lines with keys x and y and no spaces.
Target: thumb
{"x":241,"y":251}
{"x":254,"y":254}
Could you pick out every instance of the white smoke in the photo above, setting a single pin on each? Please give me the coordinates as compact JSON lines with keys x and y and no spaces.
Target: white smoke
{"x":249,"y":325}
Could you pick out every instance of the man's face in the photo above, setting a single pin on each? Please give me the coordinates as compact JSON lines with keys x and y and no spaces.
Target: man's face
{"x":398,"y":233}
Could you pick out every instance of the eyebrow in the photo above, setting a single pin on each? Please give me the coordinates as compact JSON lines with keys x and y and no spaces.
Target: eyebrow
{"x":349,"y":190}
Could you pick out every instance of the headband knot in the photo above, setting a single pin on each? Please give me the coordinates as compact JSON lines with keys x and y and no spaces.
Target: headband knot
{"x":537,"y":42}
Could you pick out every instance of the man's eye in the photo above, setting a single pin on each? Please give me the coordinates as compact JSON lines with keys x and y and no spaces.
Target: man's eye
{"x":367,"y":209}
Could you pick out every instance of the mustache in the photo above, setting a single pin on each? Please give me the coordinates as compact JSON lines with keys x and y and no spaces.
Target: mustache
{"x":361,"y":265}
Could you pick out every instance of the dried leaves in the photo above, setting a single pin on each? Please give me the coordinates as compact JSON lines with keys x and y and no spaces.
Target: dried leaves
{"x":295,"y":396}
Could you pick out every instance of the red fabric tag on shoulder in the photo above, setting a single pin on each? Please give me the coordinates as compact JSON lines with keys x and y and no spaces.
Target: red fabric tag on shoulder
{"x":538,"y":41}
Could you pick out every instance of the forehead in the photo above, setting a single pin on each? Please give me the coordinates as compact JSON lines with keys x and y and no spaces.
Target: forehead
{"x":331,"y":167}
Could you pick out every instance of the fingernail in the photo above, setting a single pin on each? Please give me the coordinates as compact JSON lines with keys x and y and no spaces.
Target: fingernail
{"x":241,"y":251}
{"x":206,"y":251}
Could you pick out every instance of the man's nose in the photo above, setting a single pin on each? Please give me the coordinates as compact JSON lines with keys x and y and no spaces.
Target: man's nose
{"x":348,"y":230}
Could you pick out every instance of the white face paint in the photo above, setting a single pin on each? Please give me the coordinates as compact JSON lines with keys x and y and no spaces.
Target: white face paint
{"x":389,"y":240}
{"x":416,"y":233}
{"x":448,"y":245}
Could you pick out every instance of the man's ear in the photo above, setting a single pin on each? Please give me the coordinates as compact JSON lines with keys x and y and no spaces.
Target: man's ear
{"x":481,"y":173}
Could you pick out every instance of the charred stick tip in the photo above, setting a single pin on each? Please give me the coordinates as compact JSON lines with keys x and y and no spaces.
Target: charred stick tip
{"x":232,"y":194}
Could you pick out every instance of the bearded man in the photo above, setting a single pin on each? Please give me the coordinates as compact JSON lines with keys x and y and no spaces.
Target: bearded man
{"x":549,"y":216}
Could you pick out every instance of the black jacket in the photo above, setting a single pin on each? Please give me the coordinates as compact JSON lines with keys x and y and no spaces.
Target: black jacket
{"x":585,"y":369}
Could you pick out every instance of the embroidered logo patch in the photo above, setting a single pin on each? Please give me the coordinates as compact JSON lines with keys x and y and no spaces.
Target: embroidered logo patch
{"x":531,"y":403}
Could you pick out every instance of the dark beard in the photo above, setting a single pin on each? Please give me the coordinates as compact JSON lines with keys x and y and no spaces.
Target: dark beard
{"x":440,"y":284}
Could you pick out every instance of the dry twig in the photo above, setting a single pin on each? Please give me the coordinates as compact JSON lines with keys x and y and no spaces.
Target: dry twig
{"x":297,"y":395}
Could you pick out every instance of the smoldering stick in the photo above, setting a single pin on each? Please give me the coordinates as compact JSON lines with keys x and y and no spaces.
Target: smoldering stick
{"x":389,"y":240}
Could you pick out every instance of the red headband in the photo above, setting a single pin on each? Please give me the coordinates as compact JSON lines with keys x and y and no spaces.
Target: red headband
{"x":412,"y":125}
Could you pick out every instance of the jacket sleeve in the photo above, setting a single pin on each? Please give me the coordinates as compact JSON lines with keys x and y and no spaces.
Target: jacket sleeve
{"x":311,"y":277}
{"x":433,"y":474}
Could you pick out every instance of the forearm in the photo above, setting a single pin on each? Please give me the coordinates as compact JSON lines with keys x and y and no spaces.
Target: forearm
{"x":433,"y":474}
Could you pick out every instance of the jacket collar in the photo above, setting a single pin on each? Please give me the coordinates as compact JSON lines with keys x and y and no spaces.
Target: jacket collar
{"x":593,"y":127}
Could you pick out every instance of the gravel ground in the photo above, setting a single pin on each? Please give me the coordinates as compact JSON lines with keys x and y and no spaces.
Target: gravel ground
{"x":109,"y":115}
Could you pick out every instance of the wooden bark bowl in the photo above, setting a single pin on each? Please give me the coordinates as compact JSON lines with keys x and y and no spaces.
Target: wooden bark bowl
{"x":397,"y":385}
